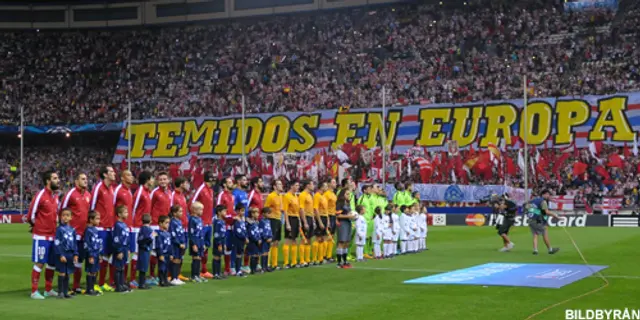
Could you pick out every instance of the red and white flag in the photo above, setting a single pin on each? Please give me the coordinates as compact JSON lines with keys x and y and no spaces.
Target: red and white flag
{"x":561,"y":203}
{"x":611,"y":205}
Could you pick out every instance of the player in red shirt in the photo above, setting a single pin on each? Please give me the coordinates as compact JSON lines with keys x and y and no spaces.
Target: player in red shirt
{"x":181,"y":188}
{"x":43,"y":217}
{"x":160,"y":206}
{"x":141,"y":206}
{"x":225,"y":198}
{"x":122,"y":197}
{"x":78,"y":200}
{"x":255,"y":201}
{"x":204,"y":195}
{"x":102,"y":202}
{"x":255,"y":195}
{"x":160,"y":199}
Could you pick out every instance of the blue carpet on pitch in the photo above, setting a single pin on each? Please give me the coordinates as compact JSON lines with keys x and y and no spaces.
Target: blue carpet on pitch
{"x":514,"y":274}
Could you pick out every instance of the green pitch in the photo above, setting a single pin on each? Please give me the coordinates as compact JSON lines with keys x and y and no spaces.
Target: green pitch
{"x":371,"y":290}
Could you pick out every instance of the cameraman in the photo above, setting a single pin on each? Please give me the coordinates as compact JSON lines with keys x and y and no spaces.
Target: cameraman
{"x":538,"y":214}
{"x":506,"y":207}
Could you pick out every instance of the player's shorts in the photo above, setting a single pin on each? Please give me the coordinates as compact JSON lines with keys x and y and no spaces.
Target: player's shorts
{"x":177,"y":252}
{"x":153,"y":243}
{"x":502,"y":228}
{"x":308,"y":233}
{"x":133,"y":240}
{"x":143,"y":261}
{"x":207,"y":233}
{"x":292,"y":234}
{"x":537,"y":227}
{"x":276,"y":229}
{"x":332,"y":224}
{"x":218,"y":250}
{"x":377,"y":238}
{"x":321,"y":232}
{"x":229,"y":236}
{"x":42,"y":251}
{"x":65,"y":267}
{"x":253,"y":248}
{"x":92,"y":267}
{"x":81,"y":250}
{"x":162,"y":265}
{"x":265,"y":247}
{"x":120,"y":263}
{"x":106,"y":237}
{"x":237,"y":245}
{"x":344,"y":231}
{"x":193,"y":253}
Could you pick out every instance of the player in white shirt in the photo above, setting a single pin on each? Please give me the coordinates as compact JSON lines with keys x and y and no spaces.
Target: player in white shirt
{"x":415,"y":210}
{"x":388,"y":235}
{"x":378,"y":233}
{"x":396,"y":229}
{"x":361,"y":234}
{"x":424,"y":229}
{"x":405,"y":229}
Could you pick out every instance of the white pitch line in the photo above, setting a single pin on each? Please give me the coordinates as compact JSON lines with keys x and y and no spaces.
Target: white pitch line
{"x":439,"y":271}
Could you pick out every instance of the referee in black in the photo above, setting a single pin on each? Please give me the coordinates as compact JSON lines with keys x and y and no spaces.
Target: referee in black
{"x":508,"y":209}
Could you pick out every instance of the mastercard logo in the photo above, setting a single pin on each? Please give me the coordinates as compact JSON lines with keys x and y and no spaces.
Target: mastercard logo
{"x":475,"y":219}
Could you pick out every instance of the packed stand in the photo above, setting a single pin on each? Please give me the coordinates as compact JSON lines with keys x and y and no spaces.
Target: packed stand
{"x":66,"y":161}
{"x":307,"y":62}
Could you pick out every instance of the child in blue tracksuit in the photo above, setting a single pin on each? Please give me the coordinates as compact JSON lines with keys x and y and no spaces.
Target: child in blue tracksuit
{"x":92,"y":248}
{"x":163,"y":249}
{"x":267,"y":237}
{"x":255,"y":239}
{"x":145,"y":243}
{"x":178,"y":243}
{"x":239,"y":240}
{"x":196,"y":240}
{"x":66,"y":251}
{"x":219,"y":241}
{"x":120,"y":246}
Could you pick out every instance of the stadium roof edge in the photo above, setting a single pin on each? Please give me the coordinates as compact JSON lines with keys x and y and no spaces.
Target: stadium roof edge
{"x":91,"y":14}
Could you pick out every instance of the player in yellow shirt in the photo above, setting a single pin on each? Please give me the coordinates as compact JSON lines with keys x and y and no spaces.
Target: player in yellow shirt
{"x":308,"y":222}
{"x":322,"y":222}
{"x":291,"y":208}
{"x":274,"y":201}
{"x":331,"y":198}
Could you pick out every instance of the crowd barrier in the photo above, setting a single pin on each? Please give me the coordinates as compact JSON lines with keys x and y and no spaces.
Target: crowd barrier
{"x":470,"y":216}
{"x":569,"y":220}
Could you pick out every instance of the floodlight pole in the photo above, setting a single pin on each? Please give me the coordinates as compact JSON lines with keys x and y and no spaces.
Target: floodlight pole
{"x":21,"y":159}
{"x":384,"y":138}
{"x":243,"y":137}
{"x":525,"y":137}
{"x":129,"y":137}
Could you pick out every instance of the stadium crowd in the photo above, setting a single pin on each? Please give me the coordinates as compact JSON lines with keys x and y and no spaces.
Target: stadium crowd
{"x":422,"y":54}
{"x":613,"y":171}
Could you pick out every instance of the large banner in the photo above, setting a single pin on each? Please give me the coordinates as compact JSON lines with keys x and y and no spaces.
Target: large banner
{"x":460,"y":193}
{"x":552,"y":122}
